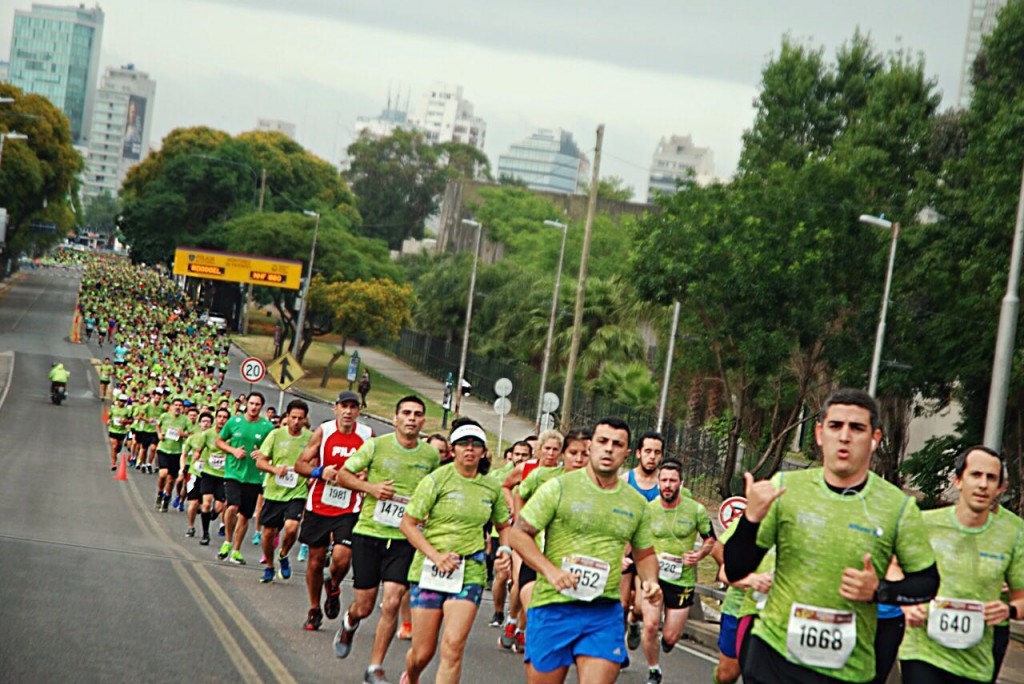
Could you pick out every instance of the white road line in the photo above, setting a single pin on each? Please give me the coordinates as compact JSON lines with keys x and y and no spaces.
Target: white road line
{"x":10,"y":377}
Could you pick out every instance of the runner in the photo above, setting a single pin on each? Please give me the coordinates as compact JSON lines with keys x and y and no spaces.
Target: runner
{"x":171,"y":430}
{"x":192,"y":413}
{"x":588,"y":517}
{"x":514,"y":455}
{"x":284,"y":492}
{"x":239,"y":438}
{"x":211,"y":486}
{"x":676,"y":521}
{"x":395,"y":465}
{"x":331,"y":511}
{"x":835,"y":529}
{"x":118,"y":418}
{"x":448,"y":572}
{"x":650,"y":448}
{"x":193,"y":468}
{"x":950,"y":639}
{"x":106,"y":370}
{"x":144,"y":417}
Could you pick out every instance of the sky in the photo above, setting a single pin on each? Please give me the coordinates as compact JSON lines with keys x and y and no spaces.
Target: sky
{"x":645,"y":69}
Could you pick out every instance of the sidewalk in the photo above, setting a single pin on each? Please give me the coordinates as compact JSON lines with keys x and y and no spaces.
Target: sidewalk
{"x":515,"y":427}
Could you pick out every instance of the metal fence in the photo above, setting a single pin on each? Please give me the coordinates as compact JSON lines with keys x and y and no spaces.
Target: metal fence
{"x":703,"y":456}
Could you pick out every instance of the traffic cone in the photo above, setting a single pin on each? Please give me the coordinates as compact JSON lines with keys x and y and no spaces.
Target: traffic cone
{"x":106,"y":415}
{"x":122,"y":469}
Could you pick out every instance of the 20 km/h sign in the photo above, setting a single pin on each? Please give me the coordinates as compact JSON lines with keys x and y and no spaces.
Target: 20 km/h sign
{"x":253,"y":370}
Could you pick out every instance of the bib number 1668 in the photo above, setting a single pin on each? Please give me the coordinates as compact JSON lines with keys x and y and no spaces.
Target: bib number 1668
{"x":821,"y":637}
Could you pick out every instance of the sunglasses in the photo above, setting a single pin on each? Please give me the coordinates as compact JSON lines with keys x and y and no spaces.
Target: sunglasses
{"x":472,"y":441}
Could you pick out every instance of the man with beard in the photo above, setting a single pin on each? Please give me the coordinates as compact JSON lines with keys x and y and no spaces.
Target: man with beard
{"x":676,"y":521}
{"x":650,"y":449}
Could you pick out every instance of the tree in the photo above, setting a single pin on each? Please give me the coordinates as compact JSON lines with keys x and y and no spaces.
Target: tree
{"x":377,"y":309}
{"x":101,"y":214}
{"x":38,"y":175}
{"x":612,"y":188}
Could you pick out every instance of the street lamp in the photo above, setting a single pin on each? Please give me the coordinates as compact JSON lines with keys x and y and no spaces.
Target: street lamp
{"x":469,"y":314}
{"x":551,"y":322}
{"x":13,"y":135}
{"x":876,"y":358}
{"x":309,"y":279}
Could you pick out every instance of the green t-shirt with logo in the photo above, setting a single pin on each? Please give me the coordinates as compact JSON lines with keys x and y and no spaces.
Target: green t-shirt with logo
{"x":193,"y":444}
{"x":455,"y":509}
{"x":118,"y":419}
{"x":675,"y":530}
{"x":106,"y":370}
{"x":174,"y":430}
{"x":239,"y":432}
{"x":973,"y":564}
{"x":536,"y":478}
{"x":383,"y":458}
{"x":819,"y":533}
{"x":284,"y":448}
{"x":579,"y":518}
{"x":213,"y":458}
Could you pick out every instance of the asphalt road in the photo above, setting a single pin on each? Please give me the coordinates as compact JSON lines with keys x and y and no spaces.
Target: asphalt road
{"x":98,"y":587}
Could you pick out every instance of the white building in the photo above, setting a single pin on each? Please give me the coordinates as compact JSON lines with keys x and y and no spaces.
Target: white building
{"x":548,"y":159}
{"x":121,"y":123}
{"x":674,"y":159}
{"x":445,"y":116}
{"x":984,"y":15}
{"x":277,"y":125}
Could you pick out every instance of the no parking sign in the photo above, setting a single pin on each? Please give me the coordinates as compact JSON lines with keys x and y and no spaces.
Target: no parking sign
{"x":731,"y":508}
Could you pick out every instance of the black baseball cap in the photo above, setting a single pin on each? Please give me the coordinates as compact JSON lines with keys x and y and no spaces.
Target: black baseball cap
{"x":348,"y":395}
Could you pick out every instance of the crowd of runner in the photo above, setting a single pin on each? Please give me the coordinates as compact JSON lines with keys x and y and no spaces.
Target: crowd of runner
{"x":833,"y":573}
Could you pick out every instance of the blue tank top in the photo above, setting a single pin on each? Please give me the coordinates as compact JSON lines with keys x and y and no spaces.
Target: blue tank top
{"x":649,"y":494}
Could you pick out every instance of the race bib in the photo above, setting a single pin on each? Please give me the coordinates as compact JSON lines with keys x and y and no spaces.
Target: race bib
{"x":956,"y":623}
{"x":339,"y":497}
{"x":390,"y":512}
{"x":821,"y":637}
{"x":197,"y":467}
{"x":173,"y":434}
{"x":670,"y":568}
{"x":591,"y":576}
{"x":289,"y":480}
{"x":445,"y":582}
{"x":217,"y":461}
{"x":190,"y":485}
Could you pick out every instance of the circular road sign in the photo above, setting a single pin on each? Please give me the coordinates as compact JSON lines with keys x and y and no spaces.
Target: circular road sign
{"x":731,"y":509}
{"x":502,"y":406}
{"x":547,"y":422}
{"x":549,"y":403}
{"x":503,"y":387}
{"x":253,"y":369}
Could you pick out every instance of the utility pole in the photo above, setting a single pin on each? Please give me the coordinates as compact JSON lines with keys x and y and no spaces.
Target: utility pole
{"x":581,"y":285}
{"x":248,"y":290}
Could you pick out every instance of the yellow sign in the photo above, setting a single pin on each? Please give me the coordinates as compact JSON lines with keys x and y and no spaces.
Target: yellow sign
{"x":238,"y":268}
{"x":285,"y":371}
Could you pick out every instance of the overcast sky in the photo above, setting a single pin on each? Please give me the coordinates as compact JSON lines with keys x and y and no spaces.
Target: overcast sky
{"x":645,"y":68}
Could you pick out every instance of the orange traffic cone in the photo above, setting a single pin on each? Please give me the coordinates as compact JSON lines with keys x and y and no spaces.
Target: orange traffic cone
{"x":122,"y":469}
{"x":106,"y":415}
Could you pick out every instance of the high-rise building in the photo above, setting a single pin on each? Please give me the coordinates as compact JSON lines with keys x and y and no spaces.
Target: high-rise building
{"x":121,"y":122}
{"x":445,"y":116}
{"x":984,"y":15}
{"x":55,"y":52}
{"x":548,"y":159}
{"x":285,"y":127}
{"x":675,"y":158}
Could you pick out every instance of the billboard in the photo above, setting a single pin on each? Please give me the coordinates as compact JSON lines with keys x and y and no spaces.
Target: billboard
{"x":237,"y":268}
{"x":134,"y":124}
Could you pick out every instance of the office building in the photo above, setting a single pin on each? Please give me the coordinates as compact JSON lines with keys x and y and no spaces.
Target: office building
{"x":984,"y":14}
{"x":444,"y":115}
{"x":548,"y":159}
{"x":277,"y":125}
{"x":674,"y":159}
{"x":55,"y":52}
{"x":121,"y":124}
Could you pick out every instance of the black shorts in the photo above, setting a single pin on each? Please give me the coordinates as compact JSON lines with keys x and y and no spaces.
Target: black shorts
{"x":146,"y":439}
{"x":169,"y":462}
{"x":211,"y":484}
{"x":195,"y":493}
{"x":376,"y":560}
{"x":320,"y":530}
{"x":762,"y":664}
{"x":120,"y":437}
{"x":920,"y":672}
{"x":526,"y":575}
{"x":676,"y":597}
{"x":243,"y":495}
{"x":274,"y":513}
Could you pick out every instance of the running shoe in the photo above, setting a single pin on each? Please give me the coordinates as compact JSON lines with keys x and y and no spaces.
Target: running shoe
{"x":220,"y":530}
{"x":113,"y":468}
{"x":497,"y":620}
{"x":374,"y":675}
{"x":508,"y":637}
{"x":257,"y":536}
{"x":225,"y":549}
{"x":405,"y":631}
{"x":633,"y":634}
{"x":313,"y":620}
{"x":190,"y":532}
{"x":286,"y":568}
{"x":653,"y":676}
{"x":343,"y":640}
{"x":181,"y":505}
{"x":205,"y":540}
{"x":520,"y":645}
{"x":263,"y":559}
{"x":163,"y":506}
{"x":177,"y":500}
{"x":332,"y":604}
{"x":237,"y":558}
{"x":268,"y":575}
{"x":303,"y":553}
{"x":665,"y":647}
{"x":159,"y":501}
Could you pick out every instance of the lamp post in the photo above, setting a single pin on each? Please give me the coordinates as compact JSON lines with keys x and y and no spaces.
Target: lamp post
{"x":876,"y":358}
{"x":469,"y":314}
{"x":13,"y":135}
{"x":309,"y":280}
{"x":545,"y":364}
{"x":668,"y":365}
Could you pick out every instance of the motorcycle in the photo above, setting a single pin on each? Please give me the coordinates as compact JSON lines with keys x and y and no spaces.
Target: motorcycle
{"x":58,"y":392}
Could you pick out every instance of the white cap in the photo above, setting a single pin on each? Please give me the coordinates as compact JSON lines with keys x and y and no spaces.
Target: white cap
{"x":466,"y":431}
{"x":123,"y":397}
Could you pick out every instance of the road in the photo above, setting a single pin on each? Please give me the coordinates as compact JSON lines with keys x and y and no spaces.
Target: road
{"x":98,"y":587}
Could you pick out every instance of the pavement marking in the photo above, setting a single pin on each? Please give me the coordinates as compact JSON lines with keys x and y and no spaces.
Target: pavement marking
{"x":10,"y":377}
{"x":695,"y":652}
{"x":30,"y":306}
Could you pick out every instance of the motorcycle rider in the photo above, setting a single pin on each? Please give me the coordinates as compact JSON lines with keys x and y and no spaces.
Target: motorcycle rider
{"x":58,"y":376}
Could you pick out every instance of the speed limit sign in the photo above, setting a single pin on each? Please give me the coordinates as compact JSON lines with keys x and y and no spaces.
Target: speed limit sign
{"x":253,"y":369}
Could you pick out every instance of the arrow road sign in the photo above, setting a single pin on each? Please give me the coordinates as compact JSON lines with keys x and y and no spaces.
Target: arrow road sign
{"x":285,"y":371}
